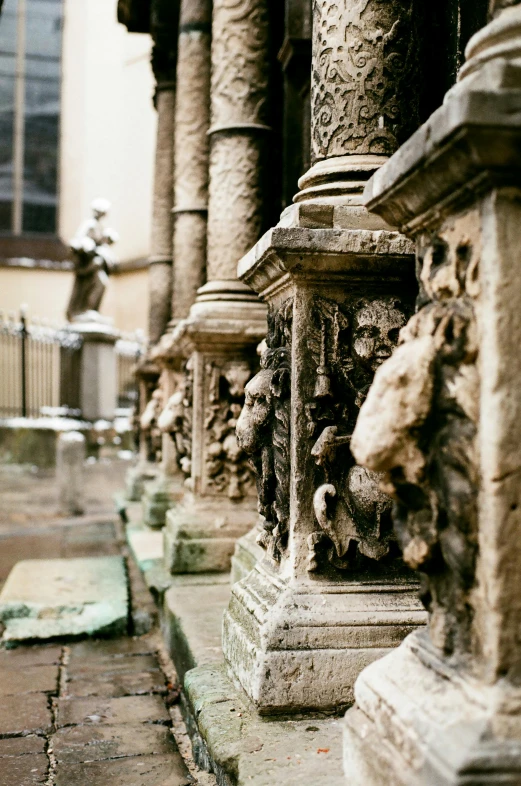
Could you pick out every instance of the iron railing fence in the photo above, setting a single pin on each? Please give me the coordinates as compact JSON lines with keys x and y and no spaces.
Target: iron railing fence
{"x":30,"y":362}
{"x":39,"y":368}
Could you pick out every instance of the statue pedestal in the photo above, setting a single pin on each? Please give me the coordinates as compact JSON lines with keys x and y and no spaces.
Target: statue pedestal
{"x":97,"y":368}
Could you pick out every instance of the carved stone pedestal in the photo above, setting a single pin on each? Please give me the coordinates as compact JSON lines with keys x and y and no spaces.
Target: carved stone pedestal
{"x":331,"y":595}
{"x":220,"y":338}
{"x":442,"y":421}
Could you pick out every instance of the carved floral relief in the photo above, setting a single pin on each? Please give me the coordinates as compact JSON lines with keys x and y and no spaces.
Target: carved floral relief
{"x":365,"y":71}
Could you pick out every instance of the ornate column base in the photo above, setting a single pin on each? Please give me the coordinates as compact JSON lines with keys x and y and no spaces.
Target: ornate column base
{"x":200,"y":534}
{"x":398,"y":735}
{"x":159,"y":496}
{"x":301,"y":646}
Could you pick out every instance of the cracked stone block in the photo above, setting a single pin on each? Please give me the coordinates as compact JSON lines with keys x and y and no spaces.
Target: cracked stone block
{"x":24,"y":714}
{"x":24,"y":771}
{"x":29,"y":679}
{"x":71,"y":597}
{"x":76,"y":744}
{"x":134,"y":771}
{"x":128,"y":709}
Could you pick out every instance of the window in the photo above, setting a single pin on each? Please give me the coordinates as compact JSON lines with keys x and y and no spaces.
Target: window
{"x":30,"y":66}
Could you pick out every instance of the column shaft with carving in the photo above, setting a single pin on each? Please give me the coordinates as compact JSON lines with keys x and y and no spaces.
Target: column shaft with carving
{"x":340,"y":286}
{"x":443,"y":423}
{"x":191,"y":120}
{"x":226,"y":322}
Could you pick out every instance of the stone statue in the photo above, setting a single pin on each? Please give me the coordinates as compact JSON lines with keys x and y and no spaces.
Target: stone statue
{"x":93,"y":261}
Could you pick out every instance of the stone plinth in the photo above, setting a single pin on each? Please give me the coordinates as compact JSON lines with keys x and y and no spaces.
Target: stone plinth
{"x":98,"y":377}
{"x":331,"y":594}
{"x":220,"y":505}
{"x":443,"y":423}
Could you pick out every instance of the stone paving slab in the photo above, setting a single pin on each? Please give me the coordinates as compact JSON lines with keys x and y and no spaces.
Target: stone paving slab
{"x":21,"y":657}
{"x":21,"y":746}
{"x":24,"y":771}
{"x":128,"y":709}
{"x":30,"y":679}
{"x":245,"y":749}
{"x":124,"y":665}
{"x":116,"y":685}
{"x":102,"y":649}
{"x":76,"y":744}
{"x":25,"y":714}
{"x":69,"y":598}
{"x":136,"y":771}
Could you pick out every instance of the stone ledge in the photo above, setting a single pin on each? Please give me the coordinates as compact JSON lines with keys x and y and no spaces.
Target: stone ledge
{"x":192,"y":619}
{"x":243,"y":749}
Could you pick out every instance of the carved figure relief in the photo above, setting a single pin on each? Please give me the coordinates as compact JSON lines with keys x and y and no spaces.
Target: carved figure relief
{"x":226,"y":466}
{"x":347,"y":345}
{"x":176,"y":419}
{"x":263,"y":430}
{"x":419,"y":425}
{"x":364,"y":75}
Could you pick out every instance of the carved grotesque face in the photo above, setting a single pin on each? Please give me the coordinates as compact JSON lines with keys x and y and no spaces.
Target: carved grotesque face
{"x":252,"y":424}
{"x":376,"y":327}
{"x":237,"y":374}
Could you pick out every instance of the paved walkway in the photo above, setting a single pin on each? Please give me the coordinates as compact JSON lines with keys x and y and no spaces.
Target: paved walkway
{"x":87,"y":713}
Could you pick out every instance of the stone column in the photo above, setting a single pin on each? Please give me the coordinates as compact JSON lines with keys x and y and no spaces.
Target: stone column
{"x":226,"y":322}
{"x":160,"y":260}
{"x":192,"y":116}
{"x":332,"y":593}
{"x":443,"y":423}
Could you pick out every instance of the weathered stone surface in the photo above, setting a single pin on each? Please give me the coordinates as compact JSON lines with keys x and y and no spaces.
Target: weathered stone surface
{"x":24,"y":771}
{"x":25,"y":714}
{"x":128,"y":709}
{"x":76,"y":744}
{"x":135,"y":771}
{"x":71,"y":597}
{"x":245,"y":749}
{"x":21,"y":746}
{"x":193,"y":623}
{"x":29,"y":679}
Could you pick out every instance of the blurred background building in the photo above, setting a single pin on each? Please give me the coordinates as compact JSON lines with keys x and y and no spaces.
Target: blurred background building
{"x":77,"y":122}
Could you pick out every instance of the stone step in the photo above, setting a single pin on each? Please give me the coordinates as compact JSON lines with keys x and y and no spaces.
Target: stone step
{"x":244,"y":749}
